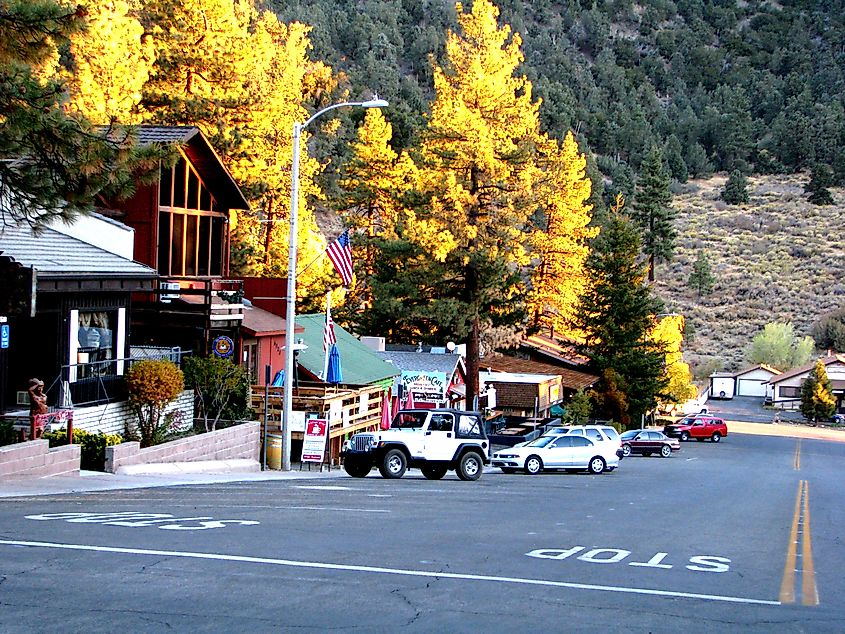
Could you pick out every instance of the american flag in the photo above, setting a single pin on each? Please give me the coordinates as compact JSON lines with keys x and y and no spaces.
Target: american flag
{"x":329,"y":338}
{"x":340,"y":253}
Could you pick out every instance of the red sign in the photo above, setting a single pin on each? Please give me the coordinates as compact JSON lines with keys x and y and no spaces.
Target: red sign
{"x":314,"y":445}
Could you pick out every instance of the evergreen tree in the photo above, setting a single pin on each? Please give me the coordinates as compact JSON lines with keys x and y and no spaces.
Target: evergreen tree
{"x":675,"y":160}
{"x":821,"y":177}
{"x":652,"y":211}
{"x":702,"y":278}
{"x":616,"y":314}
{"x":479,"y":173}
{"x":817,"y":400}
{"x":736,"y":189}
{"x":53,"y":164}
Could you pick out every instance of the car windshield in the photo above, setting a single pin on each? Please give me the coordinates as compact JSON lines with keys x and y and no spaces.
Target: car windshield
{"x":409,"y":420}
{"x":542,"y":441}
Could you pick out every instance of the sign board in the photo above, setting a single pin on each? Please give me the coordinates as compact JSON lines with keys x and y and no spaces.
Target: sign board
{"x":223,"y":347}
{"x":314,"y":444}
{"x":425,"y":386}
{"x":4,"y":335}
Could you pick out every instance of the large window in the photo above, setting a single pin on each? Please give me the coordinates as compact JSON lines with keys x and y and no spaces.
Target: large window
{"x":789,"y":392}
{"x":190,"y":226}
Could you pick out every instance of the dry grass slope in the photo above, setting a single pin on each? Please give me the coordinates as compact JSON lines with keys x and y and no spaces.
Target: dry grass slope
{"x":777,"y":258}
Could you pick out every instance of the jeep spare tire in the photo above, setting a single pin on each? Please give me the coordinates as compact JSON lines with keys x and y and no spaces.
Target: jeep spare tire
{"x":394,"y":464}
{"x":470,"y":466}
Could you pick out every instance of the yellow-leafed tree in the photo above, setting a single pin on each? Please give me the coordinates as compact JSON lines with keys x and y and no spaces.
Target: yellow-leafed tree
{"x":560,"y":246}
{"x":668,"y":334}
{"x":479,"y":171}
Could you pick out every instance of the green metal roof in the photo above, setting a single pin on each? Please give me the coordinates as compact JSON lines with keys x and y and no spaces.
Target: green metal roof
{"x":359,"y":364}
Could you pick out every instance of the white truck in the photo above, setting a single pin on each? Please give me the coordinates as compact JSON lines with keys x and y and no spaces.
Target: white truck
{"x":432,"y":440}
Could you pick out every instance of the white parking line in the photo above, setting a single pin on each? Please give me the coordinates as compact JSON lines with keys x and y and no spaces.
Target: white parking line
{"x":389,"y":571}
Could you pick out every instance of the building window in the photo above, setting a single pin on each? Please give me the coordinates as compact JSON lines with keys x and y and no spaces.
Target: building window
{"x":789,"y":392}
{"x":191,"y":229}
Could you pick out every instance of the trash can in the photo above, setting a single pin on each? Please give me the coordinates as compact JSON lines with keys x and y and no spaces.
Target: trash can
{"x":274,"y":451}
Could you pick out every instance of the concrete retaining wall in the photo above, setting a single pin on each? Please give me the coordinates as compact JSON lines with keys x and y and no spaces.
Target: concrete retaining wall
{"x":111,"y":418}
{"x":241,"y":441}
{"x":35,"y":459}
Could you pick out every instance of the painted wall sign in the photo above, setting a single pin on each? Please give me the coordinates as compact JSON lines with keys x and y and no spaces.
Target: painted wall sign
{"x":164,"y":521}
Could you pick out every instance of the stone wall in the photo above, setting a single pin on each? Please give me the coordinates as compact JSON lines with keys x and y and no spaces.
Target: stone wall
{"x":238,"y":442}
{"x":35,"y":459}
{"x":111,"y":418}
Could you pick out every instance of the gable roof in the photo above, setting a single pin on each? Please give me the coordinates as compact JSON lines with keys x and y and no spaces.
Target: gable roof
{"x":202,"y":155}
{"x":759,"y":366}
{"x":55,"y":255}
{"x":359,"y":364}
{"x":834,"y":358}
{"x":573,"y":379}
{"x":554,"y":350}
{"x":423,"y":361}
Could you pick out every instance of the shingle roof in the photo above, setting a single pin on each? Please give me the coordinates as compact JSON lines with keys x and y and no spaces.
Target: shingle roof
{"x":834,"y":358}
{"x":569,"y":378}
{"x":56,"y":255}
{"x":359,"y":364}
{"x":262,"y":322}
{"x":422,"y":361}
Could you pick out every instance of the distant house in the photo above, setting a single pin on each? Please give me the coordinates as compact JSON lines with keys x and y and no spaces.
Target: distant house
{"x":752,"y":381}
{"x":786,"y":387}
{"x":553,"y":351}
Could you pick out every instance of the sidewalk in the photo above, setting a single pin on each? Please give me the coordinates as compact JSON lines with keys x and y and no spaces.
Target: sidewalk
{"x":92,"y":481}
{"x":793,"y":430}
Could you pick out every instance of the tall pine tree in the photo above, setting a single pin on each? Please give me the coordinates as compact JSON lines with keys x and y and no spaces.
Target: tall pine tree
{"x":652,"y":210}
{"x":616,"y":315}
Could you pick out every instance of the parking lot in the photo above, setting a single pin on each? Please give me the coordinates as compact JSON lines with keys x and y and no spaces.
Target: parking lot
{"x":739,"y":535}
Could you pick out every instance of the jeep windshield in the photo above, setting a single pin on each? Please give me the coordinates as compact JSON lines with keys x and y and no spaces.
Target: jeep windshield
{"x":409,"y":420}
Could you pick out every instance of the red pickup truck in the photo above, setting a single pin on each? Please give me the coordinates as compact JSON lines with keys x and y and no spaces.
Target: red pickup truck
{"x":698,"y":427}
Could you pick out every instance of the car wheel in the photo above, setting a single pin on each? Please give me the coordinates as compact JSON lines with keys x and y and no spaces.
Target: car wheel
{"x":665,"y":451}
{"x":394,"y":464}
{"x":434,"y":472}
{"x":597,"y":465}
{"x":508,"y":470}
{"x":533,"y":465}
{"x":626,"y":451}
{"x":356,"y":468}
{"x":470,"y":466}
{"x":684,"y":436}
{"x":716,"y":437}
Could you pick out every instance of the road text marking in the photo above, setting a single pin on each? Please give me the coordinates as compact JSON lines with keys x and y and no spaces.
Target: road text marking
{"x":164,"y":521}
{"x":391,"y":571}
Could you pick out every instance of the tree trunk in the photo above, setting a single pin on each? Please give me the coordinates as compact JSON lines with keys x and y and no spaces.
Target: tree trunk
{"x":473,"y":363}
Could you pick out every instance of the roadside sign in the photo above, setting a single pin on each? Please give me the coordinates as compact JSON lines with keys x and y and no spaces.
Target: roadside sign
{"x":4,"y":335}
{"x":314,"y":444}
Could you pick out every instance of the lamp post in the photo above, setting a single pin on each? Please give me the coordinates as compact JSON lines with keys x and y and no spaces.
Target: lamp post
{"x":290,"y":314}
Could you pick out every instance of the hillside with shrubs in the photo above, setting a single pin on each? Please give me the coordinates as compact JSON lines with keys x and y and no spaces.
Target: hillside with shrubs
{"x":775,"y":258}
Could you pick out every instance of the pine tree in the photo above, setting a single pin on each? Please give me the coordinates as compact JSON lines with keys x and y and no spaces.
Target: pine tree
{"x":702,"y":278}
{"x":616,"y":314}
{"x":821,"y":177}
{"x":652,"y":210}
{"x":560,"y":246}
{"x":736,"y":189}
{"x":479,"y":172}
{"x":817,"y":400}
{"x":52,"y":164}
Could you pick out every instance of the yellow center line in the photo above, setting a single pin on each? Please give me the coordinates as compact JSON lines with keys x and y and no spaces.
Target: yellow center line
{"x":809,"y":591}
{"x":796,"y":460}
{"x":787,"y":584}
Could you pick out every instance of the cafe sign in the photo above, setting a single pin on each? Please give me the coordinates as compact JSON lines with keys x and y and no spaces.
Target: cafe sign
{"x":425,"y":386}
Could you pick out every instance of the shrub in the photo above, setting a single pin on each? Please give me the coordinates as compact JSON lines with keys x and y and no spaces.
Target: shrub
{"x":152,"y":384}
{"x":92,"y":446}
{"x":221,"y":389}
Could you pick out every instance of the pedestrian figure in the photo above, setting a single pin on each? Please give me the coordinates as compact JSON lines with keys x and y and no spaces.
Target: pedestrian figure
{"x":777,"y":418}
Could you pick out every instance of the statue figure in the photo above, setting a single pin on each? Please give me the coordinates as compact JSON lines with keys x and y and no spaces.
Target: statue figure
{"x":37,"y":407}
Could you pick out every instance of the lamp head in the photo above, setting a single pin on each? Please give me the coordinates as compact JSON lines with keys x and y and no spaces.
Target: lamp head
{"x":375,"y":102}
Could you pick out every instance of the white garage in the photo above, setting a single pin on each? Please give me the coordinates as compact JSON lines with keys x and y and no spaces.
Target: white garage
{"x":753,"y":381}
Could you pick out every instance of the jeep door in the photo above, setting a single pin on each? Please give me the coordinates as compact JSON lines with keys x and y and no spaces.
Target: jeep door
{"x":439,"y":439}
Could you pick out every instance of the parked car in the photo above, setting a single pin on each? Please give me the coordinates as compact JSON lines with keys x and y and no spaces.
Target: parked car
{"x":569,"y":452}
{"x":596,"y":433}
{"x":698,"y":427}
{"x":646,"y":442}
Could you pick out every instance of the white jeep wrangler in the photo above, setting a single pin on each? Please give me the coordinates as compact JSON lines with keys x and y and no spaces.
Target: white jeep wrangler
{"x":432,"y":440}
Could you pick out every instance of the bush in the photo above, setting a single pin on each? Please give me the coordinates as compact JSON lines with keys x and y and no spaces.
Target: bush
{"x":152,"y":385}
{"x":7,"y":433}
{"x":93,"y":446}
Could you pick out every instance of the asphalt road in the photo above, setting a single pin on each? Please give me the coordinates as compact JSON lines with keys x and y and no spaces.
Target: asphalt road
{"x":742,"y":535}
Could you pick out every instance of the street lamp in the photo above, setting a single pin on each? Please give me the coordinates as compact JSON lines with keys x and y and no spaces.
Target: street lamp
{"x":290,"y":314}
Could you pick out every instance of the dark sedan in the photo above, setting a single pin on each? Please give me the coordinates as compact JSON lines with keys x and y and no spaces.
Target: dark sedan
{"x":646,"y":442}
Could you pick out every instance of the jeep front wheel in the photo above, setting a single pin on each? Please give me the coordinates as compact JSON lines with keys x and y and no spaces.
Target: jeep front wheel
{"x":433,"y":472}
{"x":470,"y":466}
{"x":357,"y":468}
{"x":394,"y":464}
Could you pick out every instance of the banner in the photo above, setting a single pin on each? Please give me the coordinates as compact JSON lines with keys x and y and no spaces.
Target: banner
{"x":314,"y":444}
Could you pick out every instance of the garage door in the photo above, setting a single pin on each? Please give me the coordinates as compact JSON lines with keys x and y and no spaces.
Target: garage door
{"x":748,"y":387}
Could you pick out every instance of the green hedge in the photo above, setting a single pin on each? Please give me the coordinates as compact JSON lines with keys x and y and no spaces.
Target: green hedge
{"x":93,"y":446}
